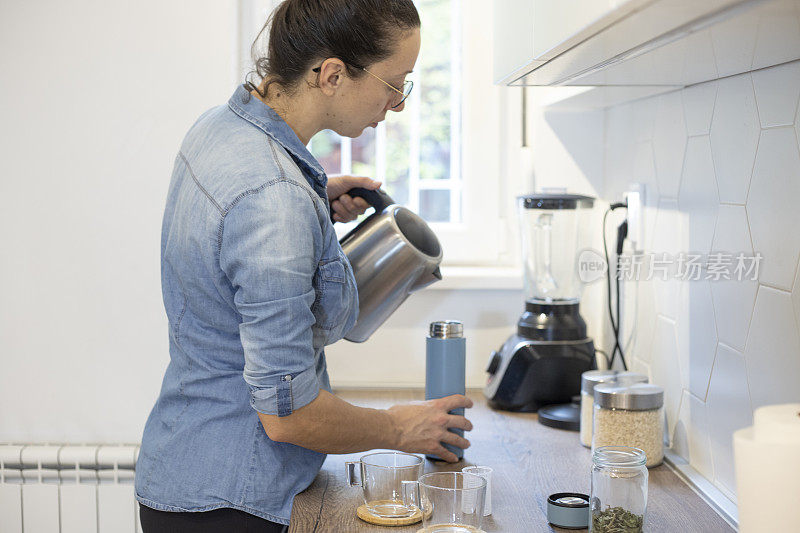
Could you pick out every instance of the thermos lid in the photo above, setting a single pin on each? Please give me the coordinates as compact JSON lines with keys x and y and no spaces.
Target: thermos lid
{"x":446,"y":329}
{"x":637,"y":397}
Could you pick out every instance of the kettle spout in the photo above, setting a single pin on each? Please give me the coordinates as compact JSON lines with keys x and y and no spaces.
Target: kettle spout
{"x":426,"y":279}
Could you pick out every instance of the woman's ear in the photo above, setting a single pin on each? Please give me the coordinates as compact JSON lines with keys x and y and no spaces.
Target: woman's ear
{"x":331,"y":75}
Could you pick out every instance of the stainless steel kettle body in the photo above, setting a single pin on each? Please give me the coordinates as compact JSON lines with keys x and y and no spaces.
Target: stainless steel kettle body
{"x":393,"y":253}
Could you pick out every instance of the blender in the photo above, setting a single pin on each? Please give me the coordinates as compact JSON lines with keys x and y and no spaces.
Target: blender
{"x":541,"y":364}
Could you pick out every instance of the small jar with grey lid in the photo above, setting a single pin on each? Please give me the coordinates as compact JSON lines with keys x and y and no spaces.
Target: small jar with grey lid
{"x":619,"y":490}
{"x":589,"y":380}
{"x":630,"y":415}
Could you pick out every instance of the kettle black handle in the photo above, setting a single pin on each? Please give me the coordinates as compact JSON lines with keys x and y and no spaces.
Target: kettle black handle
{"x":377,"y":199}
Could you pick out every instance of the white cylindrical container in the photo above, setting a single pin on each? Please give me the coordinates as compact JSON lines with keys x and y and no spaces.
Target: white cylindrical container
{"x":767,"y":459}
{"x":632,"y":416}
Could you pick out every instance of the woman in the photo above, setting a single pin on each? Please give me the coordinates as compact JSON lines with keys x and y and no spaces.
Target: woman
{"x":255,"y":283}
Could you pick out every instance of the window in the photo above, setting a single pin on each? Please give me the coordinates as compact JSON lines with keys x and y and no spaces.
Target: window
{"x":417,"y":160}
{"x":441,"y":155}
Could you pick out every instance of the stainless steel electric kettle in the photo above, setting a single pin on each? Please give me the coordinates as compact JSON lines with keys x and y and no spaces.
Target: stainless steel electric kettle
{"x":393,"y":253}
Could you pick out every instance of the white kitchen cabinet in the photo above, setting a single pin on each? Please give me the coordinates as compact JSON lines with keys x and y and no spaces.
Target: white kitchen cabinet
{"x":530,"y":32}
{"x":653,"y":45}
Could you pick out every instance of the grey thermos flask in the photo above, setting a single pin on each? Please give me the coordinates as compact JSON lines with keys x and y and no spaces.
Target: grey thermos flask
{"x":445,"y":362}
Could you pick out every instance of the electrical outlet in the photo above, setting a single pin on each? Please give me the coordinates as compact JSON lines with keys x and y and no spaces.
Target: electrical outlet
{"x":635,"y":197}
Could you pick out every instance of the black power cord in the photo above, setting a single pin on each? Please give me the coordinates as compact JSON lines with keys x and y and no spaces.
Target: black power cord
{"x":622,"y":233}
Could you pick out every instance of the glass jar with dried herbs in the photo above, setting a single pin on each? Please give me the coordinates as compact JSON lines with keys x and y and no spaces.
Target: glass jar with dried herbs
{"x":619,"y":490}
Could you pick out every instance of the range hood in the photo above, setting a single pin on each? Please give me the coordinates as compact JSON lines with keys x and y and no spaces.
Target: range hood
{"x":645,"y":47}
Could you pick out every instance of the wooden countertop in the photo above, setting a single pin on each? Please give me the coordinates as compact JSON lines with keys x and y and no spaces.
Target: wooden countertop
{"x":530,"y":461}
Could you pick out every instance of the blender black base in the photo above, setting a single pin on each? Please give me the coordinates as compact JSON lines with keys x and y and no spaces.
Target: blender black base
{"x":542,"y":363}
{"x":530,"y":408}
{"x":531,"y":374}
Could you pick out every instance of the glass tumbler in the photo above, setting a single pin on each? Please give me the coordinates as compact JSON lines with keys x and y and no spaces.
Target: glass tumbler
{"x":619,"y":490}
{"x":381,"y":477}
{"x":451,"y":502}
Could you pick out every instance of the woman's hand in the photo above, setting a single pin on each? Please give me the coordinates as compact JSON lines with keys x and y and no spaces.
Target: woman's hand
{"x":346,"y":208}
{"x":423,"y":426}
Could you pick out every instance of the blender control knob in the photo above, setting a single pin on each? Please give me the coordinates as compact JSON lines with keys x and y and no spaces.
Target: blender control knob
{"x":494,"y":362}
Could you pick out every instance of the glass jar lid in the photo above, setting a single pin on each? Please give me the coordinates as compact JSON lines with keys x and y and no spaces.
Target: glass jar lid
{"x":630,"y":378}
{"x":590,"y":378}
{"x":636,"y":397}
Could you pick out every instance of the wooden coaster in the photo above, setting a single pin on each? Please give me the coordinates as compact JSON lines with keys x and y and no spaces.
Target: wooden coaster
{"x":364,"y":514}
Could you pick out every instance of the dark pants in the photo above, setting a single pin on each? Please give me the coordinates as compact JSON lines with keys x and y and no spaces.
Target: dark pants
{"x":216,"y":521}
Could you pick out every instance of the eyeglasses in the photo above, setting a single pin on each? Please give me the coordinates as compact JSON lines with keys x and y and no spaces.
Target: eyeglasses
{"x":403,"y":93}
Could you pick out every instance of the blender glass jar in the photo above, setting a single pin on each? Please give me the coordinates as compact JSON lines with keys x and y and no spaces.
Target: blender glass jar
{"x":553,"y":230}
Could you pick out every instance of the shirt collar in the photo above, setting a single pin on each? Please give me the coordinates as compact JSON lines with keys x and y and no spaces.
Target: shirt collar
{"x":265,"y":118}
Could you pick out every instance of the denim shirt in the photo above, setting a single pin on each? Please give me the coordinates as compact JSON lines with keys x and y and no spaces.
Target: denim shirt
{"x":255,"y":284}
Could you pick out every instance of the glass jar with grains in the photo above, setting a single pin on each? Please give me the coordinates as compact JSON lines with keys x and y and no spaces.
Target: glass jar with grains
{"x":630,"y":415}
{"x":619,"y":490}
{"x":589,"y":380}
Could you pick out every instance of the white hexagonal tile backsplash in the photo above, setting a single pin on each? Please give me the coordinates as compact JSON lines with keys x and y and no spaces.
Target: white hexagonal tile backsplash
{"x":728,"y":410}
{"x":690,"y":440}
{"x":669,"y":141}
{"x":777,"y":91}
{"x":719,"y":348}
{"x":796,"y":298}
{"x":641,"y":308}
{"x":734,"y":137}
{"x":665,"y":368}
{"x":733,"y":298}
{"x":772,"y":206}
{"x":773,"y":350}
{"x":697,"y":336}
{"x":698,"y":107}
{"x":698,"y":196}
{"x":644,"y":172}
{"x":668,"y":241}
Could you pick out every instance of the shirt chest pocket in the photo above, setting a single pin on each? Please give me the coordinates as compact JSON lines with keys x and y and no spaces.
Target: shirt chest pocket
{"x":333,"y":304}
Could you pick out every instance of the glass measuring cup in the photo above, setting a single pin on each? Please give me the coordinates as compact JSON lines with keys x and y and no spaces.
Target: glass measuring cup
{"x":381,"y":476}
{"x":451,"y":502}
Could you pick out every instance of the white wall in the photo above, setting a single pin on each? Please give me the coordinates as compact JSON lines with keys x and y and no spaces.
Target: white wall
{"x":95,"y":99}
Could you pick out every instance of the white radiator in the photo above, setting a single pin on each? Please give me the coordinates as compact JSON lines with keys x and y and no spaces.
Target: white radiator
{"x":68,"y":488}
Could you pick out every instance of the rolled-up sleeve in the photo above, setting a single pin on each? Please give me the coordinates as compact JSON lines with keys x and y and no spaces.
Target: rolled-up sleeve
{"x":268,"y":249}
